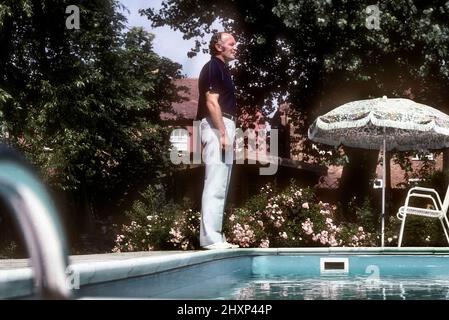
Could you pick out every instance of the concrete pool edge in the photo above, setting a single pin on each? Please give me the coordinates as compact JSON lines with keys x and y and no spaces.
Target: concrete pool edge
{"x":18,"y":282}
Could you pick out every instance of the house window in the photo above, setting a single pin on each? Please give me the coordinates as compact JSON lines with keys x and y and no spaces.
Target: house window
{"x":179,"y":139}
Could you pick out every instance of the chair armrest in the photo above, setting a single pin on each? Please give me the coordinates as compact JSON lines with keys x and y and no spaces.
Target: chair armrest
{"x":423,"y":195}
{"x":412,"y":193}
{"x":423,"y":189}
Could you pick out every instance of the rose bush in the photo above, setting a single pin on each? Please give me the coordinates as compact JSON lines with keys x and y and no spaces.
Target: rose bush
{"x":158,"y":224}
{"x":292,"y":217}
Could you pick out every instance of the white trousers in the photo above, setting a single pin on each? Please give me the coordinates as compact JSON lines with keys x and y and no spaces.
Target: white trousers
{"x":216,"y":181}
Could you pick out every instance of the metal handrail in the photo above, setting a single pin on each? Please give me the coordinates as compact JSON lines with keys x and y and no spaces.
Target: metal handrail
{"x":39,"y":223}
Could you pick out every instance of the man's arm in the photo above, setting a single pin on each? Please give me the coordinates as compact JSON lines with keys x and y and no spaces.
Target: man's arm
{"x":217,"y":118}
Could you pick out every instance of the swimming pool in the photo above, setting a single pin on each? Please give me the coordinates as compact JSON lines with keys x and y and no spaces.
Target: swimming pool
{"x":249,"y":274}
{"x":293,"y":274}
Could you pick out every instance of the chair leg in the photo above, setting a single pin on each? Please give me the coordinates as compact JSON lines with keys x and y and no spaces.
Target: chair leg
{"x":401,"y":232}
{"x":445,"y":227}
{"x":447,"y":221}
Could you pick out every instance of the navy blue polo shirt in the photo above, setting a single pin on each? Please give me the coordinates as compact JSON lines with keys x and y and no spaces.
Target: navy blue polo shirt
{"x":215,"y":77}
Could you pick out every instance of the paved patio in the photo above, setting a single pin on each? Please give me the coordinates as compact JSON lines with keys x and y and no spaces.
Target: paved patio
{"x":6,"y":264}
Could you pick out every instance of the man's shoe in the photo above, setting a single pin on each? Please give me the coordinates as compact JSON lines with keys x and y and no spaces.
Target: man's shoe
{"x":220,"y":245}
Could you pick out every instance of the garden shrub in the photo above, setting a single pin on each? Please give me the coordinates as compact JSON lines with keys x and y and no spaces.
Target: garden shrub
{"x":292,"y":217}
{"x":158,"y":224}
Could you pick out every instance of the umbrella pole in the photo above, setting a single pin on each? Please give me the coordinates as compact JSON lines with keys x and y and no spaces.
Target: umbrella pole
{"x":384,"y":176}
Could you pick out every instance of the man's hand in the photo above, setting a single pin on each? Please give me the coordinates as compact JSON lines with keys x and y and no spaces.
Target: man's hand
{"x":225,"y":143}
{"x":217,"y":118}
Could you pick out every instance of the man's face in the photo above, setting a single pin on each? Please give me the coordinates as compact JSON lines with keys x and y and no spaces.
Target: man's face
{"x":227,"y":47}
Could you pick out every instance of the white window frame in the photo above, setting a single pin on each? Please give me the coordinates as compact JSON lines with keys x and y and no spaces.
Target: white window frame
{"x":180,"y":139}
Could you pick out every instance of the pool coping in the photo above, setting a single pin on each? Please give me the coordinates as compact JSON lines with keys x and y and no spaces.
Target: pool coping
{"x":18,"y":282}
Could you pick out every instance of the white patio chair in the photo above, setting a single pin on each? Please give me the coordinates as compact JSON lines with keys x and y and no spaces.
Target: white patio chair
{"x":439,"y":211}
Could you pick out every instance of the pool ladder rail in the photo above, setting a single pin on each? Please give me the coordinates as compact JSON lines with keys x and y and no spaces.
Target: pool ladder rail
{"x":39,"y":223}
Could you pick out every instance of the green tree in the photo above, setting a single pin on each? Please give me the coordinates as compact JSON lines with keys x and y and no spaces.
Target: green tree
{"x":300,"y":48}
{"x":84,"y":105}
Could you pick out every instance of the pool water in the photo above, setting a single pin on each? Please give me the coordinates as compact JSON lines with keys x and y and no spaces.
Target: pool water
{"x":339,"y":288}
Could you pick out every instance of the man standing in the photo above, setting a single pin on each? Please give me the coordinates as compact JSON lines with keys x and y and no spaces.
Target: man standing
{"x":217,"y":112}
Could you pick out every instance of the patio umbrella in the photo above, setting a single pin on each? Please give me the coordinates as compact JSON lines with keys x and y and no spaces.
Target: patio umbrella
{"x":383,"y":123}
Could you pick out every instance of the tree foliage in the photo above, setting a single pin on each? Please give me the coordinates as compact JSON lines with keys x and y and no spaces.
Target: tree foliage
{"x":84,"y":104}
{"x":318,"y":54}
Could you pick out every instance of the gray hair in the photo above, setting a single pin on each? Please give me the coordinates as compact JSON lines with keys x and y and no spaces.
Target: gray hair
{"x":216,"y":37}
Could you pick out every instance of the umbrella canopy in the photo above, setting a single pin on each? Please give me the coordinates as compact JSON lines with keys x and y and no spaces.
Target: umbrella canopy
{"x":383,"y":123}
{"x":408,"y":125}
